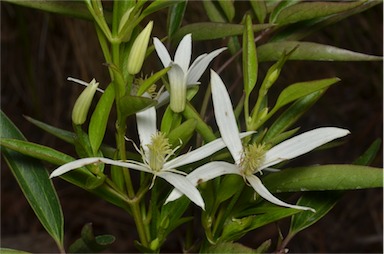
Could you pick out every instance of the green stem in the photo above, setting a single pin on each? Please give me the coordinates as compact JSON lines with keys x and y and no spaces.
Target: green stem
{"x":204,"y":130}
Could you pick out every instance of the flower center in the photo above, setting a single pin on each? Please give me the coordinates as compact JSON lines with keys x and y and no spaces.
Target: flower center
{"x":159,"y":151}
{"x":252,"y":159}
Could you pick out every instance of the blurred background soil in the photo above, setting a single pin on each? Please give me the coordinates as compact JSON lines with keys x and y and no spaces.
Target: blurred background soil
{"x":40,"y":50}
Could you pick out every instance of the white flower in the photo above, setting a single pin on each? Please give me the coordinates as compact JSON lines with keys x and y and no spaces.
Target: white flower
{"x":182,"y":74}
{"x":253,"y":158}
{"x":155,"y":151}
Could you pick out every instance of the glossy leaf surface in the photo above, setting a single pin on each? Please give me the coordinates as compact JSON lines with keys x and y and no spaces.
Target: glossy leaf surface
{"x":34,"y":182}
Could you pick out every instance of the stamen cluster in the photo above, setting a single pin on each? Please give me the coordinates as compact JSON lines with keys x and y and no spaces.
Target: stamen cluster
{"x":159,"y":151}
{"x":252,"y":159}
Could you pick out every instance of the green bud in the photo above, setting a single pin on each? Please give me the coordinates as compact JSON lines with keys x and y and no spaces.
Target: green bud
{"x":82,"y":104}
{"x":139,"y":49}
{"x":125,"y":18}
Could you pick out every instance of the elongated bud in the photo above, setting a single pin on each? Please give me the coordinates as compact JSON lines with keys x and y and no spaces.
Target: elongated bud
{"x":138,"y":50}
{"x":82,"y":104}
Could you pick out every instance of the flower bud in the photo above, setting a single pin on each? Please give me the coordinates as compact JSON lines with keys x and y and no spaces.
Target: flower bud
{"x":82,"y":104}
{"x":138,"y":50}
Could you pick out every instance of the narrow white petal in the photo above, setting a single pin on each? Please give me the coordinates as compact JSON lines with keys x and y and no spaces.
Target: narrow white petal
{"x":162,"y":52}
{"x":205,"y":173}
{"x":87,"y":161}
{"x":146,"y":126}
{"x":184,"y":52}
{"x":201,"y":152}
{"x":200,"y":65}
{"x":162,"y":99}
{"x":225,"y":118}
{"x":264,"y":192}
{"x":73,"y":165}
{"x":81,"y":82}
{"x":184,"y":186}
{"x":302,"y":144}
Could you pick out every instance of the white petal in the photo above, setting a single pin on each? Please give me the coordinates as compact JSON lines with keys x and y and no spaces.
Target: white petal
{"x":201,"y":152}
{"x":225,"y":118}
{"x":184,"y":52}
{"x":264,"y":192}
{"x":178,"y":88}
{"x":146,"y":126}
{"x":162,"y":52}
{"x":87,"y":161}
{"x":185,"y":186}
{"x":205,"y":173}
{"x":200,"y":64}
{"x":302,"y":144}
{"x":73,"y":165}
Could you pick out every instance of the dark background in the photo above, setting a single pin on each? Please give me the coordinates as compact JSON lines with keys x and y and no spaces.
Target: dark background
{"x":40,"y":50}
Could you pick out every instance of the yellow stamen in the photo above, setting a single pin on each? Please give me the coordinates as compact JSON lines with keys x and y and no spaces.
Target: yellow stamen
{"x":252,"y":159}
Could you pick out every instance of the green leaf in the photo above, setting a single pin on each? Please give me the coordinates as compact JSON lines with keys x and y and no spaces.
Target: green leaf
{"x":158,"y":5}
{"x":322,"y":202}
{"x":234,"y":229}
{"x":307,"y":27}
{"x":130,"y":105}
{"x":250,"y":67}
{"x":34,"y":182}
{"x":228,"y":247}
{"x":88,"y":243}
{"x":279,"y":7}
{"x":301,"y":89}
{"x":67,"y":136}
{"x":75,"y":9}
{"x":99,"y":118}
{"x":311,"y":10}
{"x":228,"y":8}
{"x":180,"y":135}
{"x":368,"y":156}
{"x":175,"y":17}
{"x":170,"y":120}
{"x":151,"y":80}
{"x":260,"y":10}
{"x":324,"y":177}
{"x":36,"y":151}
{"x":213,"y":12}
{"x":12,"y":251}
{"x":292,"y":115}
{"x":210,"y":30}
{"x":310,"y":51}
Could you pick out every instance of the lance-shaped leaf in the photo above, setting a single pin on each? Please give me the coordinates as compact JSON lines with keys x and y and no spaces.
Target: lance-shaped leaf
{"x":158,"y":5}
{"x":67,"y":136}
{"x":99,"y":118}
{"x":260,"y":9}
{"x":310,"y":10}
{"x":325,"y":177}
{"x":310,"y":51}
{"x":250,"y":67}
{"x":130,"y":105}
{"x":151,"y":80}
{"x":321,"y":201}
{"x":180,"y":135}
{"x":175,"y":17}
{"x":301,"y":89}
{"x":292,"y":114}
{"x":35,"y":184}
{"x":228,"y":9}
{"x":210,"y":30}
{"x":75,"y":9}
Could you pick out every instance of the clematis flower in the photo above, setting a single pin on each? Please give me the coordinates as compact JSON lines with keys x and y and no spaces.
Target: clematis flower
{"x":253,"y":158}
{"x":156,"y":152}
{"x":182,"y":74}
